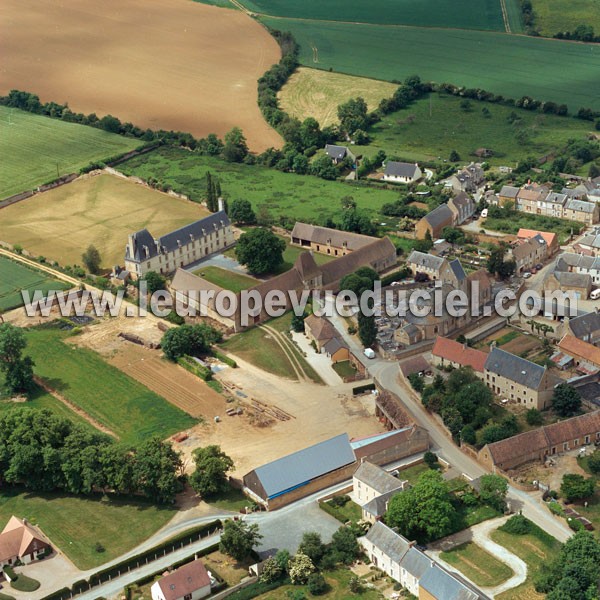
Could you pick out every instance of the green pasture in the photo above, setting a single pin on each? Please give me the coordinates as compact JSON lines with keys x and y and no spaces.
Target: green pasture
{"x":553,"y":16}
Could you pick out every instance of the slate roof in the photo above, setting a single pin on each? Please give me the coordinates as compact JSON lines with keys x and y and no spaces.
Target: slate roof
{"x":556,"y":198}
{"x":573,"y":280}
{"x":459,"y":353}
{"x":592,"y":240}
{"x":307,"y":266}
{"x":416,"y":364}
{"x":581,"y":206}
{"x":442,"y":585}
{"x":439,"y":216}
{"x":320,"y":328}
{"x":392,"y":544}
{"x":517,"y":369}
{"x":416,"y":563}
{"x":377,"y":478}
{"x":509,"y":191}
{"x":171,"y":241}
{"x":427,"y":261}
{"x":298,"y":468}
{"x":336,"y":152}
{"x":333,"y":345}
{"x":185,"y":580}
{"x":458,"y":270}
{"x":326,"y":235}
{"x":462,"y":198}
{"x":400,"y":169}
{"x":585,"y":325}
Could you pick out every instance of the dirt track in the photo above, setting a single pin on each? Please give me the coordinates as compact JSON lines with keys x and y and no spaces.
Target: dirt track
{"x":163,"y":64}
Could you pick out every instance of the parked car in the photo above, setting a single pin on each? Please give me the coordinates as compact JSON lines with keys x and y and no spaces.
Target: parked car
{"x":539,"y":266}
{"x":533,"y":271}
{"x":526,"y":275}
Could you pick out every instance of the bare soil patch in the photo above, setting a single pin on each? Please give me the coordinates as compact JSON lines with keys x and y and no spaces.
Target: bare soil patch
{"x":166,"y":64}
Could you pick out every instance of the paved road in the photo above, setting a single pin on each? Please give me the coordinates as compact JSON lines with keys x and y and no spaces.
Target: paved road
{"x":387,"y":374}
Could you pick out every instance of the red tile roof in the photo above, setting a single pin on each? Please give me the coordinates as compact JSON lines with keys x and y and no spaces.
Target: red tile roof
{"x":459,"y":353}
{"x":549,"y":237}
{"x":578,"y":348}
{"x":184,"y":581}
{"x":19,"y":538}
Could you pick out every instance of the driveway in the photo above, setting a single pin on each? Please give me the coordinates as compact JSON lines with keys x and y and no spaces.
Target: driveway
{"x":480,"y":535}
{"x":321,"y":363}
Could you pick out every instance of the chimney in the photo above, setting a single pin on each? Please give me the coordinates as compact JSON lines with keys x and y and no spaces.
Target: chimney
{"x":221,"y":204}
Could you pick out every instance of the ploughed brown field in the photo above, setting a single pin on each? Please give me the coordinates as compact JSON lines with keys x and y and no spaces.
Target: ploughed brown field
{"x":163,"y":64}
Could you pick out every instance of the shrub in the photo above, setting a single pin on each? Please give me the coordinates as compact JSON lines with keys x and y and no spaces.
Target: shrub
{"x":340,"y":500}
{"x":317,"y":585}
{"x":517,"y":525}
{"x":575,"y":524}
{"x":556,"y":509}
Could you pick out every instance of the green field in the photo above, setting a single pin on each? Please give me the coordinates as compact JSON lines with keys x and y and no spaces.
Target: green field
{"x":553,"y":16}
{"x":296,"y":197}
{"x":114,"y":399}
{"x":463,"y":14}
{"x":76,"y":524}
{"x":478,"y":565}
{"x":37,"y":149}
{"x":15,"y":277}
{"x":431,"y":128}
{"x":228,"y":280}
{"x":513,"y":66}
{"x":519,"y":220}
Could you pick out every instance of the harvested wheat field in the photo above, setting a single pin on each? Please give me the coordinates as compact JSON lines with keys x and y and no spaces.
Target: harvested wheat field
{"x":163,"y":64}
{"x":101,"y":210}
{"x":315,"y":93}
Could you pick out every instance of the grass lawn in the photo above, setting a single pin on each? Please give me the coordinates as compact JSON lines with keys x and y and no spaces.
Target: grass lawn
{"x":344,"y":369}
{"x":76,"y":524}
{"x":592,"y":512}
{"x":504,"y":339}
{"x":102,"y":210}
{"x":478,"y":565}
{"x":564,"y":72}
{"x":338,"y":580}
{"x":229,"y":280}
{"x":431,"y":128}
{"x":349,"y":512}
{"x":37,"y":149}
{"x":406,"y":244}
{"x":116,"y":400}
{"x":317,"y":94}
{"x":535,"y":548}
{"x":15,"y":277}
{"x":22,"y":583}
{"x":519,"y":220}
{"x":291,"y":253}
{"x":553,"y":16}
{"x":472,"y":515}
{"x":465,"y":14}
{"x":411,"y":474}
{"x":286,"y":195}
{"x":233,"y":500}
{"x":258,"y":347}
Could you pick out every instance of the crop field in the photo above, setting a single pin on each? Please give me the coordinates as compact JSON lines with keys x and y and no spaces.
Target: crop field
{"x":119,"y":524}
{"x":111,"y":397}
{"x":288,"y":195}
{"x":168,"y":64}
{"x":36,"y":149}
{"x":315,"y":93}
{"x":552,"y":16}
{"x":102,"y":210}
{"x":15,"y":277}
{"x":464,"y":14}
{"x":513,"y":66}
{"x":431,"y":128}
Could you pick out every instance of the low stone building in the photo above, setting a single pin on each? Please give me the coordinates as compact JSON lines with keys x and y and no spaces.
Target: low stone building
{"x":324,"y":240}
{"x":447,"y":352}
{"x":536,"y":445}
{"x":529,"y":252}
{"x":551,"y":239}
{"x":585,"y":327}
{"x":565,"y":281}
{"x":583,"y":353}
{"x":434,"y":222}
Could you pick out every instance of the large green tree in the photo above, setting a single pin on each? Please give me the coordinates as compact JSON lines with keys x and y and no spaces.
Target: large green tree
{"x":353,"y":115}
{"x":493,"y":490}
{"x":239,"y":538}
{"x":155,"y":282}
{"x":188,"y":339}
{"x":241,"y":213}
{"x":576,"y":487}
{"x":423,"y":512}
{"x":210,"y":476}
{"x":17,"y":369}
{"x":566,"y":400}
{"x":260,"y":250}
{"x":91,"y":259}
{"x":367,"y":330}
{"x":235,"y":148}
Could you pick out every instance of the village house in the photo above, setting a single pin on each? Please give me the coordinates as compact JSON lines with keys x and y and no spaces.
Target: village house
{"x":530,"y":198}
{"x":469,"y":179}
{"x":589,"y":244}
{"x":21,"y":541}
{"x":537,"y":444}
{"x":581,"y":211}
{"x":400,"y":172}
{"x":577,"y":263}
{"x":179,"y":248}
{"x":418,"y":573}
{"x":339,"y":153}
{"x":479,"y":287}
{"x":508,"y":193}
{"x":518,"y":379}
{"x":463,"y":207}
{"x":551,"y":239}
{"x":449,"y":352}
{"x":370,"y":483}
{"x":529,"y":252}
{"x":436,"y":267}
{"x":434,"y":222}
{"x":189,"y":582}
{"x":566,"y":281}
{"x":327,"y":340}
{"x":328,"y":241}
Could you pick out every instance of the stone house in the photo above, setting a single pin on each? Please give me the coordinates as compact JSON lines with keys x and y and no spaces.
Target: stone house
{"x":463,"y":207}
{"x":434,"y":222}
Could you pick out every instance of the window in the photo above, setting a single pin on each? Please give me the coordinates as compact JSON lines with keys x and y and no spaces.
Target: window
{"x":587,"y":439}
